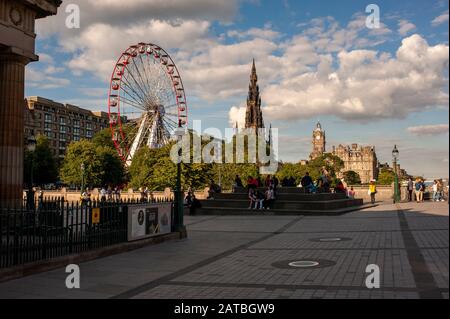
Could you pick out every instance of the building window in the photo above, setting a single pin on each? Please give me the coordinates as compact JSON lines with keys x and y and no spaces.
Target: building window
{"x":62,"y":137}
{"x":76,"y":131}
{"x":89,"y":134}
{"x":62,"y":120}
{"x":89,"y":126}
{"x":76,"y":138}
{"x":48,"y":118}
{"x":62,"y":129}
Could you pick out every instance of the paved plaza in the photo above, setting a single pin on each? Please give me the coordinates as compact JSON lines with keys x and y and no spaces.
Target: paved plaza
{"x":248,"y":256}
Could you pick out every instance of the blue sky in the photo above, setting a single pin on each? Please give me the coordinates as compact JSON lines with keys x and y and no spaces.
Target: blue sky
{"x":315,"y":60}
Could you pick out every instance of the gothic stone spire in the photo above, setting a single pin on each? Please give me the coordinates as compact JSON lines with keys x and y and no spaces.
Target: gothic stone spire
{"x":253,"y":117}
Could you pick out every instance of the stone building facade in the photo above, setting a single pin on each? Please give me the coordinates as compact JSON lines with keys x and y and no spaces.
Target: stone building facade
{"x":360,"y":159}
{"x":17,"y":49}
{"x":61,"y":123}
{"x":318,"y":142}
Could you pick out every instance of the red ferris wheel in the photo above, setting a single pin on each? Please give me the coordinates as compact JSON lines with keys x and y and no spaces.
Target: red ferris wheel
{"x":146,"y":102}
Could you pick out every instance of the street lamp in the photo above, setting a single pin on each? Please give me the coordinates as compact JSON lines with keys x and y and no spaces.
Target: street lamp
{"x":178,"y":224}
{"x":31,"y":147}
{"x":395,"y":154}
{"x":82,"y":177}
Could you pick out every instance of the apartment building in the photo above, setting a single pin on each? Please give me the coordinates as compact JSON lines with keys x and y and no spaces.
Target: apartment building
{"x":61,"y":123}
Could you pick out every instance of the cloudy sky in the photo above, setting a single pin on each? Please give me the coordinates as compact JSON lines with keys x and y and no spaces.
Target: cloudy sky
{"x":316,"y":60}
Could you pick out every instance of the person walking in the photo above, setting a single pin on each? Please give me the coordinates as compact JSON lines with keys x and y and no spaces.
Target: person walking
{"x":435,"y":191}
{"x":440,"y":189}
{"x":410,"y":189}
{"x":419,"y":188}
{"x":372,"y":191}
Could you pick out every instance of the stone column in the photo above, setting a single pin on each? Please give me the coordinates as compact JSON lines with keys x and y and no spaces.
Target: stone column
{"x":12,"y":72}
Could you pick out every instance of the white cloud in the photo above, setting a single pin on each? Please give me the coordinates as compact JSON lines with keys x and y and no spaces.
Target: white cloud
{"x":44,"y":81}
{"x":321,"y":70}
{"x":428,"y":129}
{"x":443,"y":18}
{"x":98,"y":47}
{"x":265,"y":33}
{"x":125,"y":13}
{"x":366,"y":85}
{"x":237,"y":115}
{"x":405,"y":27}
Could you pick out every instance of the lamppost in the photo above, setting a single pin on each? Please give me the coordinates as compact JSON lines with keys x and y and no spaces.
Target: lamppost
{"x":395,"y":153}
{"x":31,"y":146}
{"x":178,"y":224}
{"x":82,"y":177}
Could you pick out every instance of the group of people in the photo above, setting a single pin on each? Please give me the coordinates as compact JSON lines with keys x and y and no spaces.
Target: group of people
{"x":418,"y":187}
{"x":438,"y":191}
{"x":106,"y":194}
{"x":322,"y":184}
{"x":257,"y":198}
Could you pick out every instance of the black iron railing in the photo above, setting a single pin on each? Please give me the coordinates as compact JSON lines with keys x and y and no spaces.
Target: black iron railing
{"x":56,"y":228}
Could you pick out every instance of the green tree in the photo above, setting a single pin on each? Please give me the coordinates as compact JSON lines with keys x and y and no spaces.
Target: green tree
{"x":112,"y":167}
{"x":386,"y":177}
{"x":44,"y":165}
{"x":288,"y":170}
{"x":352,"y":178}
{"x":102,"y":166}
{"x":153,"y":168}
{"x":103,"y":138}
{"x":332,"y":163}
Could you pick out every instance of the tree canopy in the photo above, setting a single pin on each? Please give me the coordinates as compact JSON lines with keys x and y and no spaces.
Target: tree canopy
{"x":102,"y":166}
{"x":352,"y":178}
{"x":386,"y":177}
{"x":45,"y":170}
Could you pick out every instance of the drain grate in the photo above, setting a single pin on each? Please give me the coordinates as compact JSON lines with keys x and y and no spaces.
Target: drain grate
{"x":303,"y":264}
{"x":329,"y":239}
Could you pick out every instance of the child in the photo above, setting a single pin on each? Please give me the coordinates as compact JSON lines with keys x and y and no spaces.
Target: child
{"x":351,"y":193}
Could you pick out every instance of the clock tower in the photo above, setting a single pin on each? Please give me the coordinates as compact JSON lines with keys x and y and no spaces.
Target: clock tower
{"x":318,"y":142}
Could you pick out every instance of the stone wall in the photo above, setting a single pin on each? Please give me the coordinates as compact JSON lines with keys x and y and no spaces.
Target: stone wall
{"x":74,"y":196}
{"x":384,"y":193}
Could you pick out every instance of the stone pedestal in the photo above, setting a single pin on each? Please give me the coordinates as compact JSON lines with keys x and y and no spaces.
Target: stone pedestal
{"x":12,"y":72}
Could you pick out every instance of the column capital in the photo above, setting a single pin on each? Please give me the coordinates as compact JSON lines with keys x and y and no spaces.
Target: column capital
{"x":11,"y":56}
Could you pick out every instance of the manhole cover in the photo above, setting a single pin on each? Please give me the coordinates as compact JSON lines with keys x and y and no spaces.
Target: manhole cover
{"x":304,"y":264}
{"x":330,"y":239}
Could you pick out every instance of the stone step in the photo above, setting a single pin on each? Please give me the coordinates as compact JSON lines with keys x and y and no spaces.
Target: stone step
{"x":286,"y":196}
{"x":304,"y":212}
{"x":280,"y":190}
{"x":281,"y":204}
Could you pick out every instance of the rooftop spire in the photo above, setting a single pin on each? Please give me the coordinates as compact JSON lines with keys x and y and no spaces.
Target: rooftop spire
{"x":254,"y":118}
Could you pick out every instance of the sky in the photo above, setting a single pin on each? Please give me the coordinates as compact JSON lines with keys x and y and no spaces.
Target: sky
{"x":316,"y":60}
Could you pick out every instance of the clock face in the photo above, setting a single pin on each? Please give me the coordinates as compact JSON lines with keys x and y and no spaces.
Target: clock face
{"x":317,"y":137}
